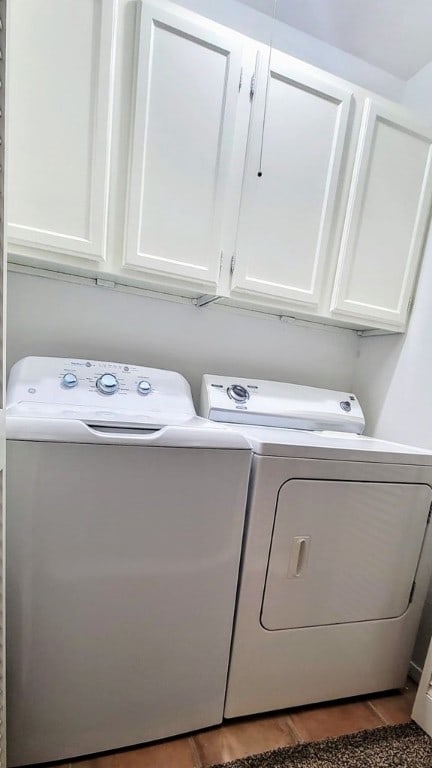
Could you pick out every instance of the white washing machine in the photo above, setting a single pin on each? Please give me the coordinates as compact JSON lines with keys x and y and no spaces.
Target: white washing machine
{"x":125,"y":519}
{"x":337,"y":554}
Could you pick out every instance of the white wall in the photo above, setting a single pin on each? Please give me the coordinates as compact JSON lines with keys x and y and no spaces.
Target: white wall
{"x":393,"y":380}
{"x":52,"y":317}
{"x":393,"y":375}
{"x":417,"y":92}
{"x":257,"y":25}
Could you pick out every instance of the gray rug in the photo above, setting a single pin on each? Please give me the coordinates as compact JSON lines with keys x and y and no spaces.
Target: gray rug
{"x":404,"y":746}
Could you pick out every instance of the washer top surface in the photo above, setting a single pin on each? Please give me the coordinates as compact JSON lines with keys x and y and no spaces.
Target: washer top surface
{"x":72,"y":400}
{"x":329,"y":423}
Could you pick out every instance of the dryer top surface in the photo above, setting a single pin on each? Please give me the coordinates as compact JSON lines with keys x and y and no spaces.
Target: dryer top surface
{"x":340,"y":446}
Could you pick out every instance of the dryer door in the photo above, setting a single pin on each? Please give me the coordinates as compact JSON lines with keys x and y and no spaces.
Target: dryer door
{"x":343,"y":552}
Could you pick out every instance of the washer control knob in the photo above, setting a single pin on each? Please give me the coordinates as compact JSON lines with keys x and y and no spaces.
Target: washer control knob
{"x":238,"y":393}
{"x":144,"y":387}
{"x":69,"y":380}
{"x":107,"y":384}
{"x":346,"y":406}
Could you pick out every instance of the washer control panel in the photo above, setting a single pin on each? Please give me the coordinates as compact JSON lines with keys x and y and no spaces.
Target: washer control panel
{"x":144,"y":387}
{"x":105,"y":388}
{"x":69,"y":380}
{"x":277,"y":404}
{"x":107,"y":384}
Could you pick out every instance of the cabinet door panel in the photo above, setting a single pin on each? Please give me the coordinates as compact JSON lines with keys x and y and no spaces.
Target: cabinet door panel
{"x":386,"y":219}
{"x":60,"y":72}
{"x":188,"y":77}
{"x":287,"y":213}
{"x":186,"y":96}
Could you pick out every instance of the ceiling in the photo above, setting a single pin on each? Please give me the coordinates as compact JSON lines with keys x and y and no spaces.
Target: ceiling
{"x":395,"y":35}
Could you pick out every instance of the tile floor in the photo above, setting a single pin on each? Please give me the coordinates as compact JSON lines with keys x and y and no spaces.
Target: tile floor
{"x":247,"y":736}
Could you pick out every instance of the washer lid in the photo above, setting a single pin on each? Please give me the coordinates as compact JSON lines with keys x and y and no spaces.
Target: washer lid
{"x":72,"y":400}
{"x":274,"y":404}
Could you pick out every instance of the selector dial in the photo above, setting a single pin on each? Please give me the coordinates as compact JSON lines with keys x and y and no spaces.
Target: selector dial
{"x":238,"y":393}
{"x":69,"y":380}
{"x":107,"y":384}
{"x":144,"y":387}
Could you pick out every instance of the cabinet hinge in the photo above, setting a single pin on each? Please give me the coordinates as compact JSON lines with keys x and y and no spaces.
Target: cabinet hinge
{"x":410,"y":303}
{"x":412,"y":592}
{"x":220,"y":262}
{"x":233,"y":262}
{"x":241,"y":79}
{"x":252,"y":87}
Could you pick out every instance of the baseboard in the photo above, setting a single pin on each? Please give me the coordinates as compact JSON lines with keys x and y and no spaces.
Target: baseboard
{"x":414,"y":672}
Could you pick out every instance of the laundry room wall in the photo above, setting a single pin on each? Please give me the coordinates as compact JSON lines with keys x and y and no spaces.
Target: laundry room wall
{"x":393,"y":374}
{"x":55,"y":317}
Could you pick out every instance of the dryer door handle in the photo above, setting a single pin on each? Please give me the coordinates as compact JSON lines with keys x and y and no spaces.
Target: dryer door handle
{"x":299,"y":556}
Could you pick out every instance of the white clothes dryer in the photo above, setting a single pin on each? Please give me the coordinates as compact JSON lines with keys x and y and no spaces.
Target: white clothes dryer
{"x":337,"y":553}
{"x":125,"y":517}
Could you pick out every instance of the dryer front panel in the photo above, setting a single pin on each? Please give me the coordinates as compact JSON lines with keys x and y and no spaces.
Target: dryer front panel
{"x":343,"y":552}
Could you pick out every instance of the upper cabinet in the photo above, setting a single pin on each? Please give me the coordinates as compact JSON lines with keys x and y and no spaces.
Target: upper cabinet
{"x":220,"y":167}
{"x":60,"y":76}
{"x":187,"y":84}
{"x":294,"y":157}
{"x":388,"y":211}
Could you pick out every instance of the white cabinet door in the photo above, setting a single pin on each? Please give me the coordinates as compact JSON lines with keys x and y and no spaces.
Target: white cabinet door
{"x":187,"y":84}
{"x":422,"y":711}
{"x":287,"y":214}
{"x":60,"y":72}
{"x":386,"y":219}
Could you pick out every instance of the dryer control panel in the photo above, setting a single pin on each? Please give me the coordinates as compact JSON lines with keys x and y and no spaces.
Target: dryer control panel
{"x":86,"y":389}
{"x":276,"y":404}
